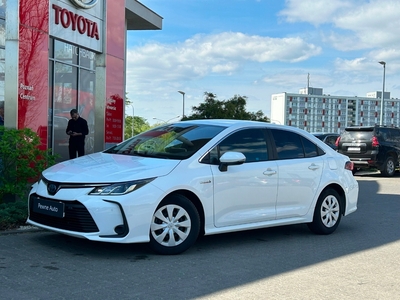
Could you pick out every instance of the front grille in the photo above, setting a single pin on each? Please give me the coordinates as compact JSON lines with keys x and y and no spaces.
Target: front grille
{"x":76,"y":218}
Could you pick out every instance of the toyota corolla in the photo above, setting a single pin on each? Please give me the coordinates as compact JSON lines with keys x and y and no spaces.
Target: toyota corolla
{"x":175,"y":182}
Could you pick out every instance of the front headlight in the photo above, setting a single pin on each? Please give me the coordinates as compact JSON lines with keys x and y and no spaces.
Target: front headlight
{"x":120,"y":188}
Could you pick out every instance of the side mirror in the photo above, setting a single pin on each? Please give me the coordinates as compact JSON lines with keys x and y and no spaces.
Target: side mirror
{"x":230,"y":159}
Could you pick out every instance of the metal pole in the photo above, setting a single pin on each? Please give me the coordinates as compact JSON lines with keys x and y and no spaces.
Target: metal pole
{"x":133,"y":119}
{"x":183,"y":103}
{"x":383,"y":93}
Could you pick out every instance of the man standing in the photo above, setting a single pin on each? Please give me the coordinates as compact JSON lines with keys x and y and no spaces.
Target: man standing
{"x":77,"y":130}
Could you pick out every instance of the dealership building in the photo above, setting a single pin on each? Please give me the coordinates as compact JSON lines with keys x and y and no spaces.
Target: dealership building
{"x":56,"y":55}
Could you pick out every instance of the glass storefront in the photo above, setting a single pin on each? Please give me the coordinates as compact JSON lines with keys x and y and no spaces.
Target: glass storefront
{"x":72,"y":85}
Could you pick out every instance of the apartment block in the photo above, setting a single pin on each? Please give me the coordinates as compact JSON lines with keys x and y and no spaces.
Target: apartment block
{"x":314,"y":111}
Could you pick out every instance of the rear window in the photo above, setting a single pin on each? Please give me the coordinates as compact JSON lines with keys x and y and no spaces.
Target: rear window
{"x":357,"y":134}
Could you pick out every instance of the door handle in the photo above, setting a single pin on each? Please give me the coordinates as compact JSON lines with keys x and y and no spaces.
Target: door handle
{"x":269,"y":172}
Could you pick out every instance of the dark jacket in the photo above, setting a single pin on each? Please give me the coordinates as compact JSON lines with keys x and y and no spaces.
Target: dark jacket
{"x":80,"y":126}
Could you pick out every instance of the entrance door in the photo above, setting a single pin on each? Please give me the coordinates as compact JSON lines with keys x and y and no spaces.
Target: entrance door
{"x":72,"y":79}
{"x":64,"y":99}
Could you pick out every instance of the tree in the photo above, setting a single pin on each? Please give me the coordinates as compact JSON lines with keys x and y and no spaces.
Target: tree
{"x":234,"y":108}
{"x":140,"y":124}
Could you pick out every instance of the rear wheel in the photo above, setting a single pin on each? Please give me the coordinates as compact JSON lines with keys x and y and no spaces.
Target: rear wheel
{"x":389,"y":167}
{"x":175,"y":225}
{"x":327,"y":213}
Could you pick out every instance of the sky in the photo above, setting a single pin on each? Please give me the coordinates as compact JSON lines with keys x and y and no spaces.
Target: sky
{"x":256,"y":48}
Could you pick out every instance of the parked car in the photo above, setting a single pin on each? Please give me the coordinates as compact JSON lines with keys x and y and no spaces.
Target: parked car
{"x":328,"y":138}
{"x":371,"y":147}
{"x":172,"y":183}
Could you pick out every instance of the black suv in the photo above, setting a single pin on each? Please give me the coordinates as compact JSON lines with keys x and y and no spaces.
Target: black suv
{"x":371,"y":147}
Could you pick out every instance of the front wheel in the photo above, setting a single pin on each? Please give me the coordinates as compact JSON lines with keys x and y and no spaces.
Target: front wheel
{"x":327,"y":213}
{"x":175,"y":225}
{"x":389,"y":167}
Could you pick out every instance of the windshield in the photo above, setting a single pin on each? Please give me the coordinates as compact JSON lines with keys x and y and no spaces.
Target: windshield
{"x":172,"y":141}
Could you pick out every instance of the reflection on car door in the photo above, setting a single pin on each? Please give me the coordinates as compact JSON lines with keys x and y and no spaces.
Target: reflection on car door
{"x":300,"y":169}
{"x":245,"y":193}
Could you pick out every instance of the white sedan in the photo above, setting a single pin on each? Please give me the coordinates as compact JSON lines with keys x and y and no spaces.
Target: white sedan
{"x":170,"y":184}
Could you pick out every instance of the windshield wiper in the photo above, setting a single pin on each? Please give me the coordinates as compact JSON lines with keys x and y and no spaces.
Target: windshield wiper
{"x":147,"y":154}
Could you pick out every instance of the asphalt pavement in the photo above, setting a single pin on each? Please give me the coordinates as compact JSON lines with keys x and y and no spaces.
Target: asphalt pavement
{"x":359,"y":261}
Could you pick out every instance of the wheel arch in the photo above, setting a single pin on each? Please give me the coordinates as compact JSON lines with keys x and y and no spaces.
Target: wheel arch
{"x":383,"y":168}
{"x":341,"y":193}
{"x":195,"y":200}
{"x":392,"y":154}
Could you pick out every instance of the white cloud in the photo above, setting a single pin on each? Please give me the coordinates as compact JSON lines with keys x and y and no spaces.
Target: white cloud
{"x":293,"y":80}
{"x":358,"y":24}
{"x":354,"y":65}
{"x":163,"y":69}
{"x":256,"y":66}
{"x":224,"y":68}
{"x":316,"y":12}
{"x":219,"y":53}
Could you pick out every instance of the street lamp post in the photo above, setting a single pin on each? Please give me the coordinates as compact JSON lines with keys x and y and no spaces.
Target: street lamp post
{"x":183,"y":102}
{"x":133,"y":120}
{"x":383,"y":92}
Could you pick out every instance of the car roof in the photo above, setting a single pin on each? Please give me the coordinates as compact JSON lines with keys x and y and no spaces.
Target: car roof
{"x":369,"y":127}
{"x":324,"y":133}
{"x":240,"y":123}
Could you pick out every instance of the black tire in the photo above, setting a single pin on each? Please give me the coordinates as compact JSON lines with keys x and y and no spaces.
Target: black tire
{"x":389,"y":167}
{"x":173,"y":236}
{"x":327,"y":213}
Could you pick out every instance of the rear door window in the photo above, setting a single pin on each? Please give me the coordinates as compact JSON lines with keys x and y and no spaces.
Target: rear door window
{"x":290,"y":145}
{"x":395,"y":133}
{"x":384,"y":134}
{"x":310,"y":149}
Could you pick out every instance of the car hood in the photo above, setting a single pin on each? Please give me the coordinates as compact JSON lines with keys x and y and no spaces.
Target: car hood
{"x":105,"y":168}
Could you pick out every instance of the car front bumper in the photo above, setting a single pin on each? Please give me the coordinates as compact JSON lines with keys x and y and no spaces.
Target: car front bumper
{"x":118,"y":219}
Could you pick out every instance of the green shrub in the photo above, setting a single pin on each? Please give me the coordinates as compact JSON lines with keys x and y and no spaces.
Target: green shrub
{"x":13,"y":214}
{"x":22,"y":160}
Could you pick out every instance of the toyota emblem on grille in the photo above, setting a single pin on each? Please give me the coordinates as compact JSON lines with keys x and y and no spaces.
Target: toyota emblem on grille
{"x":52,"y":189}
{"x":85,"y":3}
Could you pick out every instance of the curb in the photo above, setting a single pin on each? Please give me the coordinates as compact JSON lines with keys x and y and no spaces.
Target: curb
{"x":20,"y":229}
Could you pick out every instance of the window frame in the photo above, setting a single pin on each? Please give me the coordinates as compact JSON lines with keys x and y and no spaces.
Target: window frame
{"x":319,"y":151}
{"x":213,"y":155}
